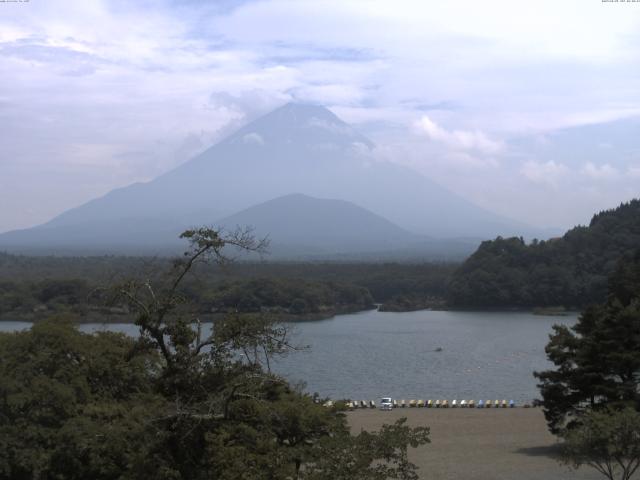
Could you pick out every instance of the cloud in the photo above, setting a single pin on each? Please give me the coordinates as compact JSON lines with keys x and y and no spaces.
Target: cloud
{"x":467,"y":161}
{"x":605,"y":171}
{"x":333,"y":127}
{"x":459,"y":139}
{"x":82,"y":88}
{"x":329,"y":94}
{"x":248,"y":103}
{"x":634,"y":171}
{"x":253,"y":139}
{"x":548,"y":173}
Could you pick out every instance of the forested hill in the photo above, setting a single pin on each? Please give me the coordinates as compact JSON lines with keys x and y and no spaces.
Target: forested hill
{"x":570,"y":271}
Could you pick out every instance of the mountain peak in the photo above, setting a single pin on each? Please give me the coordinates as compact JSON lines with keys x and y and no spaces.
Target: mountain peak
{"x":299,"y":111}
{"x":300,"y":123}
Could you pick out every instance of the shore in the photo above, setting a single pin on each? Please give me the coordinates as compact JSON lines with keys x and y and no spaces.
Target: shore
{"x":100,"y":316}
{"x":479,"y":444}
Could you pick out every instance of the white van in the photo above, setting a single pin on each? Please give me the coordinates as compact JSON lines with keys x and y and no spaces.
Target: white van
{"x":386,"y":403}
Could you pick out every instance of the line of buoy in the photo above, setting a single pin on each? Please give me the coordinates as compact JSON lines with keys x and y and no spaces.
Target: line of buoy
{"x":351,"y":405}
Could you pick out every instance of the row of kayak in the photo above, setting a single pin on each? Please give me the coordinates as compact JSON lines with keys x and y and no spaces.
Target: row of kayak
{"x":433,"y":404}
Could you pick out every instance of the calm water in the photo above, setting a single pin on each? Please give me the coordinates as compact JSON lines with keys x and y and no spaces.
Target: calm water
{"x":371,"y":354}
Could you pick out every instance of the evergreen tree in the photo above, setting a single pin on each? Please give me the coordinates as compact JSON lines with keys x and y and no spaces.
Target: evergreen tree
{"x":597,"y":360}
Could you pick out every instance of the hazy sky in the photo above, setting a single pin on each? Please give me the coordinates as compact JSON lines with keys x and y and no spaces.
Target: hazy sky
{"x":491,"y":98}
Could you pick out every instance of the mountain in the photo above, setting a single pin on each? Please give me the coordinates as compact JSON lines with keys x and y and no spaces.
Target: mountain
{"x":307,"y":225}
{"x":296,"y":148}
{"x":570,"y":271}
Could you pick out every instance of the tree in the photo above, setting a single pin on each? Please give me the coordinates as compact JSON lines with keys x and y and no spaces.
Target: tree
{"x":607,"y":440}
{"x":72,"y":405}
{"x":178,"y":402}
{"x":598,"y":359}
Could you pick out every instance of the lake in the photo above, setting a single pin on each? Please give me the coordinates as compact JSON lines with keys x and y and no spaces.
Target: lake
{"x":484,"y":355}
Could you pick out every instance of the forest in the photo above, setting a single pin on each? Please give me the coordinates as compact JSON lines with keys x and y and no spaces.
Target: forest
{"x":32,"y":286}
{"x":570,"y":271}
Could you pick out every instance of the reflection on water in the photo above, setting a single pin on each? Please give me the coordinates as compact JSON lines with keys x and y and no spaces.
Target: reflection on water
{"x":480,"y":355}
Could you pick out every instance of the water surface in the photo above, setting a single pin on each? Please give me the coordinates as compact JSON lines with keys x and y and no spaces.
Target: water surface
{"x":425,"y":354}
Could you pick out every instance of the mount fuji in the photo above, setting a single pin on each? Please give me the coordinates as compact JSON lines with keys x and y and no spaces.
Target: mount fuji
{"x":294,"y":149}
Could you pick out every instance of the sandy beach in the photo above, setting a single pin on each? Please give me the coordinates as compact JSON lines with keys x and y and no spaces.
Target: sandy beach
{"x":479,"y":444}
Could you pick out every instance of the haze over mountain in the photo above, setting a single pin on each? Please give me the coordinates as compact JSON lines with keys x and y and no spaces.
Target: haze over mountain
{"x":296,"y":148}
{"x":316,"y":225}
{"x":301,"y":226}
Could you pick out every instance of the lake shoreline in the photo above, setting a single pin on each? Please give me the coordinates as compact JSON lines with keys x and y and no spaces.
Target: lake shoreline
{"x":114,"y":318}
{"x":128,"y":318}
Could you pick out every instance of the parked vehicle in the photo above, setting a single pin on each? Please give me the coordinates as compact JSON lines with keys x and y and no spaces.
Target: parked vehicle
{"x":386,"y":403}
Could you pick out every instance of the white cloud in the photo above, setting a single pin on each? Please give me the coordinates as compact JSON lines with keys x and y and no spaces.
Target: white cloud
{"x":465,"y":160}
{"x":459,"y":139}
{"x":549,"y":173}
{"x":634,"y":171}
{"x":600,"y":172}
{"x":336,"y":128}
{"x":253,"y":139}
{"x":83,"y":89}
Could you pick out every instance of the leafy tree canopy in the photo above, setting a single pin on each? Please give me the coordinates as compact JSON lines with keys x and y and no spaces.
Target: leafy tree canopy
{"x":176,"y":403}
{"x":608,"y":441}
{"x":571,"y":271}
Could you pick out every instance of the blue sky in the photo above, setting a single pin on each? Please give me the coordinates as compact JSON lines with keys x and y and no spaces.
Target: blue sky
{"x":527,"y":108}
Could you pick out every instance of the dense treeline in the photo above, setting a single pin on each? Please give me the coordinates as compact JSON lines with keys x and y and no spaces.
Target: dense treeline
{"x":288,"y":296}
{"x":31,"y":298}
{"x":570,"y":271}
{"x":30,"y":286}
